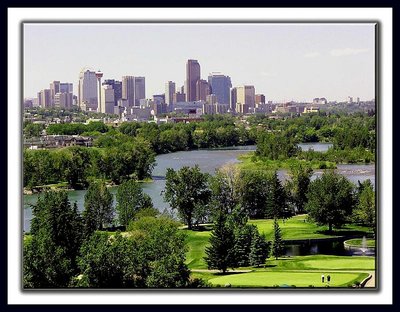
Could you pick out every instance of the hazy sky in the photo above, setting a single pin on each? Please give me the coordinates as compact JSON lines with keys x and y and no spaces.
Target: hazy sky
{"x":283,"y":61}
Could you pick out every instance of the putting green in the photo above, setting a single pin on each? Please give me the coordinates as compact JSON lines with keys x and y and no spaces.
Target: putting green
{"x":299,"y":279}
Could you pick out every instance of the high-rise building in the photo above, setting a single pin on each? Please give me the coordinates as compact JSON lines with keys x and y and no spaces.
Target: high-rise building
{"x":159,"y":98}
{"x":54,"y":88}
{"x":233,"y":99}
{"x":178,"y":97}
{"x":133,"y":89}
{"x":245,"y":96}
{"x":107,"y":99}
{"x":259,"y":99}
{"x":192,"y":76}
{"x":202,"y":90}
{"x":220,"y":86}
{"x":117,"y":87}
{"x":211,"y":99}
{"x":87,"y":90}
{"x":63,"y":100}
{"x":169,"y":92}
{"x":44,"y":97}
{"x":140,"y":90}
{"x":66,"y":87}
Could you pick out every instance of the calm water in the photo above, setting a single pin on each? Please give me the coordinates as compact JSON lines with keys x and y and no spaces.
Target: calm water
{"x":208,"y":160}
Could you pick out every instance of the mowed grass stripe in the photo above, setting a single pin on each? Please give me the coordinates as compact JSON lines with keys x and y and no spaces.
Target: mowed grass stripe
{"x":270,"y":279}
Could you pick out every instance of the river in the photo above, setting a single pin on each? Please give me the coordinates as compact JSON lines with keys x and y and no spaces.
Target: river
{"x":208,"y":160}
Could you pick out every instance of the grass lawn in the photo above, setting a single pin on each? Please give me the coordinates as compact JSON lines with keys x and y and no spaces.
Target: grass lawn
{"x":293,"y":228}
{"x":299,"y":279}
{"x":323,"y":262}
{"x":298,"y":227}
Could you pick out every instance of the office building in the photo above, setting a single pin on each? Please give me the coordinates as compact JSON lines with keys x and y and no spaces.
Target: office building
{"x":245,"y":95}
{"x":169,"y":92}
{"x":87,"y":90}
{"x":259,"y":99}
{"x":63,"y":100}
{"x":192,"y":76}
{"x":54,"y":88}
{"x":117,"y":87}
{"x":220,"y":86}
{"x":133,"y":89}
{"x":233,"y":99}
{"x":202,"y":90}
{"x":107,"y":99}
{"x":178,"y":97}
{"x":44,"y":97}
{"x":66,"y":87}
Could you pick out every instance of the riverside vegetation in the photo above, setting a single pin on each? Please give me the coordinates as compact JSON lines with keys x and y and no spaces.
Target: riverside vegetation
{"x":235,"y":228}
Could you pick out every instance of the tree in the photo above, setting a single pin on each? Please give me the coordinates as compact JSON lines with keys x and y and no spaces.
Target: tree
{"x":50,"y":257}
{"x":225,"y":189}
{"x":221,"y":252}
{"x":106,"y":262}
{"x":330,"y":199}
{"x":130,"y":200}
{"x":300,"y":178}
{"x":244,"y":236}
{"x":364,"y":211}
{"x":254,"y":188}
{"x":259,"y":250}
{"x":160,"y":249}
{"x":187,"y":190}
{"x":277,"y":244}
{"x":99,"y":209}
{"x":277,"y":203}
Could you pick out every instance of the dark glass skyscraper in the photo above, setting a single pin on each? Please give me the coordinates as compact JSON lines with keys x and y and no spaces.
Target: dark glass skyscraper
{"x":117,"y":86}
{"x":192,"y":76}
{"x":220,"y":86}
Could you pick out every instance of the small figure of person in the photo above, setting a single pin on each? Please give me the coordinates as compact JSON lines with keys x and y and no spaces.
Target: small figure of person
{"x":328,"y":279}
{"x":322,"y":278}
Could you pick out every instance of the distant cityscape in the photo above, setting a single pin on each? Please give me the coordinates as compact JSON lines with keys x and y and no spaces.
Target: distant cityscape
{"x":127,"y":99}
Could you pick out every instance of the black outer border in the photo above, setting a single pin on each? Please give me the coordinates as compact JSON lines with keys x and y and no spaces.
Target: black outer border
{"x":274,"y":3}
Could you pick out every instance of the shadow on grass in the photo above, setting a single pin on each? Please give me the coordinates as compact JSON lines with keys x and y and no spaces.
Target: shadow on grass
{"x":342,"y":232}
{"x":228,"y":273}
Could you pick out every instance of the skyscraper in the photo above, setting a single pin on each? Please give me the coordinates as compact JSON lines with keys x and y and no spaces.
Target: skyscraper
{"x":54,"y":88}
{"x":202,"y":90}
{"x":133,"y":90}
{"x":169,"y":92}
{"x":107,"y":99}
{"x":66,"y":87}
{"x":220,"y":86}
{"x":44,"y":97}
{"x":192,"y":76}
{"x":233,"y":99}
{"x":117,"y":87}
{"x":245,"y":98}
{"x":87,"y":90}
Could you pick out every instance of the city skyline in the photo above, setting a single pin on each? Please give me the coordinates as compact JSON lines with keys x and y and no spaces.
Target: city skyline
{"x":283,"y":61}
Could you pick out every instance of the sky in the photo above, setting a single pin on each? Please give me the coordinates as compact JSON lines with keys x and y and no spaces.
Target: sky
{"x":283,"y":61}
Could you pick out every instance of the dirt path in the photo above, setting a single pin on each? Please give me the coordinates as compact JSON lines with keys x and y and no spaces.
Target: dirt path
{"x":371,"y":281}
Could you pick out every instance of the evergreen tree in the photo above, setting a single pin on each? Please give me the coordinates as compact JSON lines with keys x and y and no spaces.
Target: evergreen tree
{"x":221,"y":252}
{"x":277,"y":205}
{"x":50,"y":257}
{"x":99,"y":209}
{"x":259,"y":250}
{"x":243,"y":240}
{"x":277,"y":245}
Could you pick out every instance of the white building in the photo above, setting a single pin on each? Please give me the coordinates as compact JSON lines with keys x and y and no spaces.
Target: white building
{"x":63,"y":99}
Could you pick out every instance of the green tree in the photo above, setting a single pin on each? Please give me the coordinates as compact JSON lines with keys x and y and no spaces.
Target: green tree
{"x":130,"y":200}
{"x":330,"y":199}
{"x":259,"y":250}
{"x":187,"y":190}
{"x":243,"y":239}
{"x":277,"y":199}
{"x":50,"y":257}
{"x":99,"y":209}
{"x":254,"y":188}
{"x":277,"y":243}
{"x":160,"y":248}
{"x":300,"y":178}
{"x":220,"y":254}
{"x":364,"y":212}
{"x":33,"y":130}
{"x":106,"y":262}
